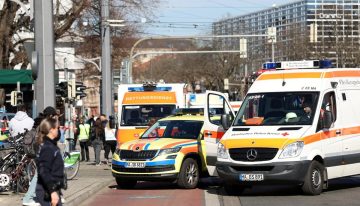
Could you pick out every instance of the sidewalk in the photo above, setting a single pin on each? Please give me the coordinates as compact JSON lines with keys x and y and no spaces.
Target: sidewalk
{"x":88,"y":181}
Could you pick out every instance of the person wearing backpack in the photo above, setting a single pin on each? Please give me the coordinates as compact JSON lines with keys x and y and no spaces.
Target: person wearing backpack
{"x":84,"y":131}
{"x":30,"y":194}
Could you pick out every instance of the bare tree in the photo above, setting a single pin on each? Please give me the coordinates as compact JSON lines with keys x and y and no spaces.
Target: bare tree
{"x":13,"y":21}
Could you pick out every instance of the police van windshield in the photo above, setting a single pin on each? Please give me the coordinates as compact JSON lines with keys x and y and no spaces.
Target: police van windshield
{"x":144,"y":115}
{"x":283,"y":108}
{"x":180,"y":129}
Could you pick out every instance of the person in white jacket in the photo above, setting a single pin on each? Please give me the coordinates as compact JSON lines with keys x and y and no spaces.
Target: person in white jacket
{"x":20,"y":121}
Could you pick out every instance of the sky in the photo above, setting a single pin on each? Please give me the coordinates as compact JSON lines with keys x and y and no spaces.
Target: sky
{"x":194,"y":17}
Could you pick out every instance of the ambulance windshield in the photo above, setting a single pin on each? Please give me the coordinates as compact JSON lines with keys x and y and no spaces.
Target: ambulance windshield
{"x":178,"y":129}
{"x":282,"y":108}
{"x":144,"y":115}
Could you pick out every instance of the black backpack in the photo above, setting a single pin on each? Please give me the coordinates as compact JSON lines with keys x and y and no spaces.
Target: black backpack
{"x":30,"y":144}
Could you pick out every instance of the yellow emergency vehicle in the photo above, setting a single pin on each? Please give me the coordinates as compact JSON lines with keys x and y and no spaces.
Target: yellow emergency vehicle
{"x":171,"y":149}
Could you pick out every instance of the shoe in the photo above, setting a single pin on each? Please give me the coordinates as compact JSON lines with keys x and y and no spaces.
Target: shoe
{"x":33,"y":203}
{"x":63,"y":200}
{"x":98,"y":164}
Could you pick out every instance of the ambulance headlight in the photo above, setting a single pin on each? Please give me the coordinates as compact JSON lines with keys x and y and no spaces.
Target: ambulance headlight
{"x":169,"y":151}
{"x":221,"y":152}
{"x":292,"y":150}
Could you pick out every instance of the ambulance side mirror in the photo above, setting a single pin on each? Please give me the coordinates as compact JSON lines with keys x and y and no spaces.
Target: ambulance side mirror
{"x":226,"y":121}
{"x":327,"y":120}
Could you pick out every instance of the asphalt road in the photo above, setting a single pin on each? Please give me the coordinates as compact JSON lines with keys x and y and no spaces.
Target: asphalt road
{"x":345,"y":191}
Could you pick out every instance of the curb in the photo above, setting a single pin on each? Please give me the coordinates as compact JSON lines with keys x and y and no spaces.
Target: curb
{"x":79,"y":198}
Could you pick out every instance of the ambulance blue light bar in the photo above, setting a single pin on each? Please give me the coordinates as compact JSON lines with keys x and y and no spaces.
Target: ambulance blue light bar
{"x":312,"y":64}
{"x":141,"y":89}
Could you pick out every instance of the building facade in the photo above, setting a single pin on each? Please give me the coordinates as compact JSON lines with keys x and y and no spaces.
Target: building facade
{"x":305,"y":29}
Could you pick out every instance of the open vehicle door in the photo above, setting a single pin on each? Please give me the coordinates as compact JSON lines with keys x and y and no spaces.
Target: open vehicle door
{"x":217,"y":105}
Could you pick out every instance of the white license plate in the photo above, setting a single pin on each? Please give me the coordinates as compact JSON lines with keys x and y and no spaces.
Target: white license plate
{"x":135,"y":165}
{"x":251,"y":177}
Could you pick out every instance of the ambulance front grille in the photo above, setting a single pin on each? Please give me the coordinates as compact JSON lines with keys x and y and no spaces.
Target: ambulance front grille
{"x":253,"y":154}
{"x":137,"y":155}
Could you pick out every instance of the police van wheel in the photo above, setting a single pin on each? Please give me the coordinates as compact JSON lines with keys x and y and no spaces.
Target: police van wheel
{"x":233,"y":189}
{"x":314,"y":179}
{"x":125,"y":184}
{"x":189,"y":174}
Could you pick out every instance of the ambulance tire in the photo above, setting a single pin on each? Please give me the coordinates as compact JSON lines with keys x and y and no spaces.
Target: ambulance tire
{"x":314,"y":179}
{"x":233,"y":189}
{"x":125,"y":184}
{"x":189,"y":174}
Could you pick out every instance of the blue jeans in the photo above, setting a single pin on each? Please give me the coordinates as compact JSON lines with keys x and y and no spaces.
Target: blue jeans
{"x":30,"y":194}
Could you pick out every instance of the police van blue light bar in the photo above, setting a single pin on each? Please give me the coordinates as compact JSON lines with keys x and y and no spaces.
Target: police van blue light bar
{"x":141,"y":89}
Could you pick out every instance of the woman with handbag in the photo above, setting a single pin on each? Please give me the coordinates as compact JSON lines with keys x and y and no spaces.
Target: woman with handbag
{"x":50,"y":165}
{"x":84,"y":131}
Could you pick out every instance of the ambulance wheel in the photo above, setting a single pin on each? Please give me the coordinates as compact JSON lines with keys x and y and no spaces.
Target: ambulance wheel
{"x":189,"y":174}
{"x":125,"y":184}
{"x":314,"y":179}
{"x":233,"y":189}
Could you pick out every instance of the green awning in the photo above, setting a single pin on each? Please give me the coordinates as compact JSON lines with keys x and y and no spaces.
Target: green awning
{"x":14,"y":76}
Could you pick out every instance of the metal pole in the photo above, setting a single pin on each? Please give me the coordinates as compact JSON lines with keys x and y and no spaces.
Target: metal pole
{"x":272,"y":50}
{"x":106,"y":61}
{"x":44,"y":44}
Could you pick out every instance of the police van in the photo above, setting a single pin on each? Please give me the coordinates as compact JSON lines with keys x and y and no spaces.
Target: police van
{"x":295,"y":126}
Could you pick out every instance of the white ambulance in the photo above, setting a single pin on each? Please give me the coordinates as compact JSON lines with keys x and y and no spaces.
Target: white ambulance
{"x":295,"y":126}
{"x":141,"y":105}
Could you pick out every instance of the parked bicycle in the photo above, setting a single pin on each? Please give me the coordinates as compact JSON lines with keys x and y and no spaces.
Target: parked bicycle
{"x":16,"y":168}
{"x":71,"y":160}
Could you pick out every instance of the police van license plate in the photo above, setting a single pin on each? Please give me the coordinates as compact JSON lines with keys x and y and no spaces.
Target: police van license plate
{"x":251,"y":177}
{"x":135,"y":165}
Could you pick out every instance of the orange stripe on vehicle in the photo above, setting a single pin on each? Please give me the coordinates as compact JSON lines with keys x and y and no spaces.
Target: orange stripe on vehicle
{"x":215,"y":134}
{"x":330,"y":134}
{"x":177,"y":143}
{"x":189,"y":150}
{"x":351,"y":130}
{"x":281,"y":142}
{"x":130,"y":146}
{"x":305,"y":75}
{"x":257,"y":142}
{"x":342,"y":74}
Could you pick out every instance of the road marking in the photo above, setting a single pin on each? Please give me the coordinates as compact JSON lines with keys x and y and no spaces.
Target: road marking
{"x":211,"y":197}
{"x":148,"y":197}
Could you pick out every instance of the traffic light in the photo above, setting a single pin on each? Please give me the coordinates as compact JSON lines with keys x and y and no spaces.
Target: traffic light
{"x":62,"y":89}
{"x":11,"y":98}
{"x":80,"y":90}
{"x":19,"y":98}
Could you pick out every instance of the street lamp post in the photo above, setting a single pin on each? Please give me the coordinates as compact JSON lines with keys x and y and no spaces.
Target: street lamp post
{"x":106,"y":74}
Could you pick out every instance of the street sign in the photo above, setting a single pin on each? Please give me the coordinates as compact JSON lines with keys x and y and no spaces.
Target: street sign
{"x":243,"y":48}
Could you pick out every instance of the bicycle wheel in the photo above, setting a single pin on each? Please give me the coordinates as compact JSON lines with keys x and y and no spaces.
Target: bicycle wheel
{"x":72,"y":165}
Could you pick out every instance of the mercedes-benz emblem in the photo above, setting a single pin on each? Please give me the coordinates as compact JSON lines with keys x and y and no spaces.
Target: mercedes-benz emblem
{"x":137,"y":148}
{"x":251,"y":154}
